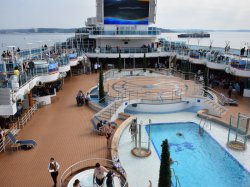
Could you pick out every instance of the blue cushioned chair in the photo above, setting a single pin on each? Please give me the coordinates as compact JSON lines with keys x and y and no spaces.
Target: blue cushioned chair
{"x":21,"y":142}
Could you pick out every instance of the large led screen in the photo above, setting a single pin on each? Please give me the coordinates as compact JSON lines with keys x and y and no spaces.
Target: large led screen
{"x":126,"y":12}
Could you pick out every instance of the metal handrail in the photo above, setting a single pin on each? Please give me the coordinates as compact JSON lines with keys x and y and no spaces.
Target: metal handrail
{"x":177,"y":181}
{"x":135,"y":94}
{"x":24,"y":119}
{"x":87,"y":163}
{"x":214,"y":94}
{"x":218,"y":95}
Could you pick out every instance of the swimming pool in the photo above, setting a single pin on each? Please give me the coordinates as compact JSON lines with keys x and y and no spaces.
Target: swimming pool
{"x":201,"y":160}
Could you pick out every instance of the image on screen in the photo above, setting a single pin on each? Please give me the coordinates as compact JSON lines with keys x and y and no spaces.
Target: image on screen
{"x":126,"y":12}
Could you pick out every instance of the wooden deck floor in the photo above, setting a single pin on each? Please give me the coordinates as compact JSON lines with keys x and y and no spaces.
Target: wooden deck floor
{"x":63,"y":131}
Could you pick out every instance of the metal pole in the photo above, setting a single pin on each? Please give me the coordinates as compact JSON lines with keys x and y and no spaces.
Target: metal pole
{"x":136,"y":135}
{"x":229,"y":129}
{"x":140,"y":139}
{"x":124,"y":63}
{"x":134,"y":63}
{"x":149,"y":132}
{"x":245,"y":140}
{"x":238,"y":123}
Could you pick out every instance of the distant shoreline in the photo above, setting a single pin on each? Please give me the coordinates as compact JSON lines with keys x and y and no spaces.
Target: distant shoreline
{"x":37,"y":30}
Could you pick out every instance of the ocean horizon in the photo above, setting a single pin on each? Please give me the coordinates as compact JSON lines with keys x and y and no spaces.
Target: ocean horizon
{"x":236,"y":40}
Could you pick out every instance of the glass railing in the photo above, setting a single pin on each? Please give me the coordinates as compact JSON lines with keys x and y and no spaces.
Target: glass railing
{"x":9,"y":80}
{"x":27,"y":54}
{"x":125,"y":32}
{"x":203,"y":56}
{"x":62,"y":61}
{"x":121,"y":50}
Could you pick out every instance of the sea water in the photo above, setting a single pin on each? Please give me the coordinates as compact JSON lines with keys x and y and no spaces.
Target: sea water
{"x":34,"y":40}
{"x":237,"y":39}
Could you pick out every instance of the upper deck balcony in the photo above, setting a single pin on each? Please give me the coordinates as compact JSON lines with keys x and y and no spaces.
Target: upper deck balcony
{"x":151,"y":32}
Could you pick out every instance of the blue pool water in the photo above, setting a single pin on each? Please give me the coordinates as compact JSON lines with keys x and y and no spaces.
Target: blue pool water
{"x":95,"y":99}
{"x":202,"y":162}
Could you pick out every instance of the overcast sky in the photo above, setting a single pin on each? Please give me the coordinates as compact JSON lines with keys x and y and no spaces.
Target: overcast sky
{"x":172,"y":14}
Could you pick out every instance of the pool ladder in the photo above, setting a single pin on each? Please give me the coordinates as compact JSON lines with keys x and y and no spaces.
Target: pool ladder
{"x":175,"y":180}
{"x":203,"y":123}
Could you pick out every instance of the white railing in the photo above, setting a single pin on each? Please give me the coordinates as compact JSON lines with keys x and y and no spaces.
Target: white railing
{"x":213,"y":101}
{"x":21,"y":121}
{"x":5,"y":141}
{"x":15,"y":127}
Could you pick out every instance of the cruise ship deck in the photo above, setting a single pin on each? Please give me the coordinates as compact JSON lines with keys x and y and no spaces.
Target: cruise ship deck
{"x":64,"y":131}
{"x":147,"y":75}
{"x":61,"y":130}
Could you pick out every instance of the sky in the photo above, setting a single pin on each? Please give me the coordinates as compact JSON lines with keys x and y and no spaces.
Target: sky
{"x":171,"y":14}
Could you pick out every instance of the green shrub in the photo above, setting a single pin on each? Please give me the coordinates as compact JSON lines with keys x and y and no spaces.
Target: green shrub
{"x":165,"y":171}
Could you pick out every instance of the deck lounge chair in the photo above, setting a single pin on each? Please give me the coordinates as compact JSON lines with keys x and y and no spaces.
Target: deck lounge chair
{"x":227,"y":101}
{"x":31,"y":143}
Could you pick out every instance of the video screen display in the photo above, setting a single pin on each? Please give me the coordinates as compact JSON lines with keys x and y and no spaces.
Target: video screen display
{"x":126,"y":12}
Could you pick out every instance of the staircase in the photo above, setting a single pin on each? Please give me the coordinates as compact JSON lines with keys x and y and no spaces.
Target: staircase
{"x":211,"y":101}
{"x":106,"y":113}
{"x":214,"y":108}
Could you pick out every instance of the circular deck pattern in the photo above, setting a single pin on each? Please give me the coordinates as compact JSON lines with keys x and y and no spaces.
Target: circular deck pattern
{"x":145,"y":87}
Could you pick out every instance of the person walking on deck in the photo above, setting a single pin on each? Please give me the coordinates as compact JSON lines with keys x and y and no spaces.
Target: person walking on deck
{"x":133,"y":129}
{"x":109,"y":131}
{"x":53,"y":169}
